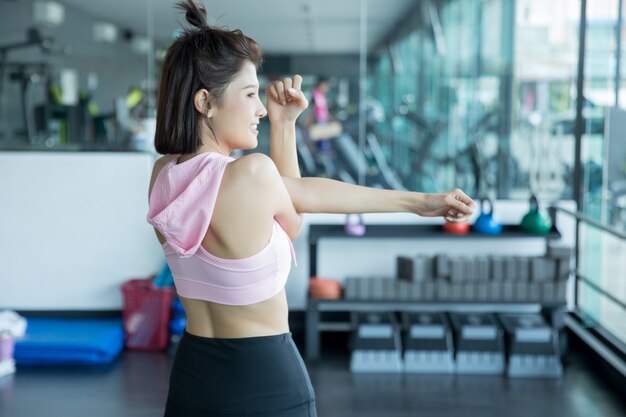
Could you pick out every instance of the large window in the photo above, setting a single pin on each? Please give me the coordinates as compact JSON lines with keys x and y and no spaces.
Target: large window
{"x":599,"y":91}
{"x":439,"y":84}
{"x":544,"y":98}
{"x":482,"y":95}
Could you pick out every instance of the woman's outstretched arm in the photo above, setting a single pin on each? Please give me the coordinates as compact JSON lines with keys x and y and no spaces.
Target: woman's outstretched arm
{"x":324,"y":195}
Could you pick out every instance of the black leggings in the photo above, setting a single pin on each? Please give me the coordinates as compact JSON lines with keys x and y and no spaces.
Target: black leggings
{"x":252,"y":376}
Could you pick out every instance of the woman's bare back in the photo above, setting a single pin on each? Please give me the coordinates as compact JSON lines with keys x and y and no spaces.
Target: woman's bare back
{"x":241,"y":226}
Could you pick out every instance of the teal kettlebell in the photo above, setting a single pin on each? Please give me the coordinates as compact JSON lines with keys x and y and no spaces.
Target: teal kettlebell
{"x":486,"y":223}
{"x":536,"y":221}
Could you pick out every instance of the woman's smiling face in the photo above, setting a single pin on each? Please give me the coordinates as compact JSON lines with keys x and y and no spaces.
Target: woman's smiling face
{"x":235,"y":121}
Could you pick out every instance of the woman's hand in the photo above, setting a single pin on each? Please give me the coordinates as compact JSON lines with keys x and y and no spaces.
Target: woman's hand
{"x":455,"y":206}
{"x":285,"y":100}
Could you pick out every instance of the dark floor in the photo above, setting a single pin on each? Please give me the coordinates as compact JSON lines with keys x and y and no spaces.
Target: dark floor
{"x":135,"y":385}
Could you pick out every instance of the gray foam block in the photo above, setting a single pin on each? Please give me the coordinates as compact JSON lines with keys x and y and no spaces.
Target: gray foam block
{"x":469,"y":291}
{"x":350,"y":288}
{"x":457,"y":270}
{"x":564,"y":268}
{"x":416,"y":291}
{"x":548,"y":292}
{"x":443,"y":290}
{"x":496,"y":291}
{"x":482,"y":269}
{"x":469,"y":264}
{"x":523,"y":268}
{"x":389,"y":292}
{"x":402,"y":290}
{"x":365,"y":289}
{"x":456,"y":291}
{"x":534,"y":291}
{"x":377,"y":288}
{"x":550,"y":266}
{"x":429,"y":290}
{"x":357,"y":283}
{"x":482,"y":291}
{"x":538,"y":269}
{"x":561,"y":291}
{"x":423,"y":268}
{"x":497,"y":268}
{"x":510,"y":268}
{"x":508,"y":291}
{"x":404,"y":268}
{"x":521,"y":291}
{"x":442,"y":265}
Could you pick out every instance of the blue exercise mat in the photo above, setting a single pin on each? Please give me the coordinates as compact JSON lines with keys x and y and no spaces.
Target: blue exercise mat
{"x":69,"y":341}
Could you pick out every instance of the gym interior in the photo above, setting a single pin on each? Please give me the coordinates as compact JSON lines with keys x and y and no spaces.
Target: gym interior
{"x":521,"y":104}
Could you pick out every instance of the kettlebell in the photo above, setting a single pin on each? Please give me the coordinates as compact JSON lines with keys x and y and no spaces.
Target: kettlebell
{"x":456,"y":228}
{"x":486,"y":223}
{"x":355,"y":227}
{"x":536,"y":221}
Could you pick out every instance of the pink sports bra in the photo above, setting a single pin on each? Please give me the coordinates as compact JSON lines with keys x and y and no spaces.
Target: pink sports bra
{"x":181,"y":205}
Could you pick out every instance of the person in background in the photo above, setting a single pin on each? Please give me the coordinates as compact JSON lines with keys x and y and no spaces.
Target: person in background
{"x":319,"y":100}
{"x":320,"y":109}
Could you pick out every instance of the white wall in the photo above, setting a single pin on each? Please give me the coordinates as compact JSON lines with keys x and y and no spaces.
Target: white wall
{"x":73,"y":229}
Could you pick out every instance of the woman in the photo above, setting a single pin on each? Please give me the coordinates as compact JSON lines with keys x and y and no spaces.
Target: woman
{"x":321,"y":115}
{"x":226,"y":224}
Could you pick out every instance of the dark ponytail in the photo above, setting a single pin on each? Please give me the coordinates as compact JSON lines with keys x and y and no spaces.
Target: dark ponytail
{"x":194,"y":13}
{"x":202,"y":57}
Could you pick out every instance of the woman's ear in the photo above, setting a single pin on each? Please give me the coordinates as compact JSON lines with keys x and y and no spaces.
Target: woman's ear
{"x":202,"y":102}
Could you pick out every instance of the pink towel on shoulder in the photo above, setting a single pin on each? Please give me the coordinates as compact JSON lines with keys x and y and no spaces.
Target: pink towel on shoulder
{"x":183,"y":198}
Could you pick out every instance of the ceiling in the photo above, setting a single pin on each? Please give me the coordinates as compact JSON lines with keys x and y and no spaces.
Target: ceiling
{"x":279,"y":26}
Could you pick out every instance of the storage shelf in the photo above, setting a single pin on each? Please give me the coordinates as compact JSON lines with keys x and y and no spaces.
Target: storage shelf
{"x":315,"y":306}
{"x":317,"y":231}
{"x":429,"y":306}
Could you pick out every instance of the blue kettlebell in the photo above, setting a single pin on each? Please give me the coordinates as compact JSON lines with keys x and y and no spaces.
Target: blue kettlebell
{"x":486,"y":222}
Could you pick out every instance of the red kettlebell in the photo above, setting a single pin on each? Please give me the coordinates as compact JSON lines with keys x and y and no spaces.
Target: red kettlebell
{"x":461,"y":228}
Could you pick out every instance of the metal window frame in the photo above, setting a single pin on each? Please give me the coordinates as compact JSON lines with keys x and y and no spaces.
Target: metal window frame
{"x":607,"y":346}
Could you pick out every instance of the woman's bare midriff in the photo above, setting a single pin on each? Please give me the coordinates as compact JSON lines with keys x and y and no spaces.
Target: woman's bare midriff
{"x":207,"y":319}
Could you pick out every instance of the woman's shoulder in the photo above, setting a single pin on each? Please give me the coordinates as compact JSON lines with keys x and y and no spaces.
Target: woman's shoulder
{"x":256,"y":166}
{"x":253,"y":178}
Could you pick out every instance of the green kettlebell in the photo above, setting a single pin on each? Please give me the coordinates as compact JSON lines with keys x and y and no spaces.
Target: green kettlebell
{"x":536,"y":221}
